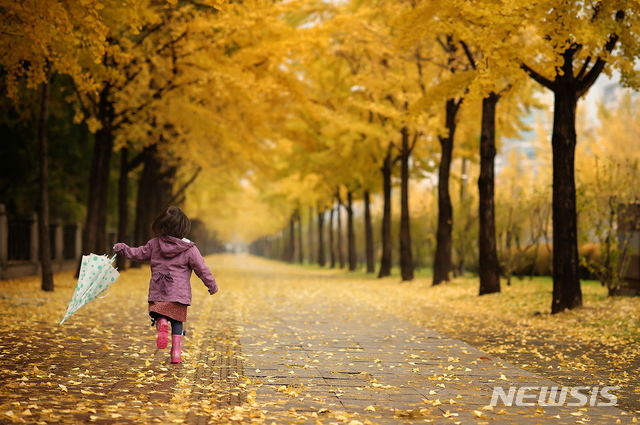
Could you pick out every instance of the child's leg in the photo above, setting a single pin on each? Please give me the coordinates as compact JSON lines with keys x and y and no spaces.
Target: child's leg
{"x":162,"y":324}
{"x":177,"y":328}
{"x":177,"y":331}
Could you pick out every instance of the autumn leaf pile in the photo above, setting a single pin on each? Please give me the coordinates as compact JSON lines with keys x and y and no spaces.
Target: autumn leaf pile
{"x":102,"y":366}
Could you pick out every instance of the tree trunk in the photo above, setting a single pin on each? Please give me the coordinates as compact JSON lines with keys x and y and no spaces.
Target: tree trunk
{"x":279,"y":252}
{"x":385,"y":259}
{"x":507,"y":243}
{"x":95,"y":231}
{"x":300,"y":250}
{"x":154,"y":195}
{"x":147,"y":205}
{"x":442,"y":262}
{"x":123,"y":208}
{"x":310,"y":236}
{"x":566,"y":281}
{"x":339,"y":230}
{"x":351,"y":236}
{"x":568,"y":86}
{"x":368,"y":233}
{"x":489,"y":269}
{"x":406,"y":257}
{"x":459,"y":269}
{"x":321,"y":250}
{"x":332,"y":248}
{"x":291,"y":249}
{"x":43,"y":217}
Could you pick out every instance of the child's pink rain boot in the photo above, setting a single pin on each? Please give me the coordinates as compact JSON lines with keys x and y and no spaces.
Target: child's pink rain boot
{"x":163,"y":333}
{"x":176,"y":350}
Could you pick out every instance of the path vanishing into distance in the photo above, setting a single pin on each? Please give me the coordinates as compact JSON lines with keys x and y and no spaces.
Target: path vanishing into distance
{"x":278,"y":344}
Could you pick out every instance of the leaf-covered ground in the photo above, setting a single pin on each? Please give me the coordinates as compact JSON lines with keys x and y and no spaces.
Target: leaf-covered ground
{"x":595,"y":345}
{"x":102,"y":366}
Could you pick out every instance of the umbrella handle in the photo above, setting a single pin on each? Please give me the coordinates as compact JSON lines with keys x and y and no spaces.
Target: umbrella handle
{"x":113,"y":258}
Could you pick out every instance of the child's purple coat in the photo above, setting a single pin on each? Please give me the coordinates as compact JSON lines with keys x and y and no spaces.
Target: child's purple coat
{"x":172,"y":260}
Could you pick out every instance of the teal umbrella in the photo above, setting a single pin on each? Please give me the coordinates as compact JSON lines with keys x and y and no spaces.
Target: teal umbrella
{"x":96,"y":275}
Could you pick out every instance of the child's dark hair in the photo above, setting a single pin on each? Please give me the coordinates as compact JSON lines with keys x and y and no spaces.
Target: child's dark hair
{"x":172,"y":222}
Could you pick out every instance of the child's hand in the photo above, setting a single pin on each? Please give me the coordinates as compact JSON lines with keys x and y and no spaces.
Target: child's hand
{"x":119,"y":247}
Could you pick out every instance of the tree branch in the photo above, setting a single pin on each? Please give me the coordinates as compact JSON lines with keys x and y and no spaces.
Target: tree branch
{"x":414,"y":141}
{"x":537,"y":77}
{"x":467,"y":51}
{"x":419,"y":65}
{"x":186,"y":185}
{"x":503,"y":91}
{"x":338,"y":198}
{"x":583,"y":70}
{"x":585,"y":83}
{"x":590,"y":77}
{"x":85,"y":108}
{"x":442,"y":44}
{"x":139,"y":159}
{"x":157,"y":95}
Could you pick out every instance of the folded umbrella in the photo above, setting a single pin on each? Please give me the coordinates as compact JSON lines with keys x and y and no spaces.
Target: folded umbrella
{"x":96,"y":275}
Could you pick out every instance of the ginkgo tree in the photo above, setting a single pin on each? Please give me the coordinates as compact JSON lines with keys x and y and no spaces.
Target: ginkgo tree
{"x":479,"y":33}
{"x":392,"y":80}
{"x":362,"y":41}
{"x":40,"y":40}
{"x":242,"y":106}
{"x":323,"y":140}
{"x":353,"y":131}
{"x":92,"y":42}
{"x":431,"y":24}
{"x":140,"y":68}
{"x":187,"y":62}
{"x":567,"y":46}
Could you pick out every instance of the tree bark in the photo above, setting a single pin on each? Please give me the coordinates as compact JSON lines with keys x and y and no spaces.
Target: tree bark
{"x":351,"y":236}
{"x":567,"y":293}
{"x":332,"y":248}
{"x":385,"y":259}
{"x":279,"y":253}
{"x":406,"y":256}
{"x":123,"y":208}
{"x":147,"y":204}
{"x":154,"y":195}
{"x":459,"y":269}
{"x":300,"y":250}
{"x":95,"y":231}
{"x":442,"y":263}
{"x":321,"y":249}
{"x":339,"y":232}
{"x":489,"y":270}
{"x":568,"y":86}
{"x":43,"y":217}
{"x":310,"y":237}
{"x":368,"y":233}
{"x":291,"y":248}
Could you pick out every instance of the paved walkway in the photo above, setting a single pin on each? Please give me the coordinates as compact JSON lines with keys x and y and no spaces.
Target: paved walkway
{"x":293,"y":359}
{"x":379,"y":368}
{"x":102,"y":366}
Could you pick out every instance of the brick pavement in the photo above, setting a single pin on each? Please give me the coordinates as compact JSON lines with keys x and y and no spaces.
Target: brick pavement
{"x":292,"y":360}
{"x":372,"y":366}
{"x":79,"y":374}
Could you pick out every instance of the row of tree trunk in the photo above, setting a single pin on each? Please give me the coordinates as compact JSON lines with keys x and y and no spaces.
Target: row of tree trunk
{"x":567,"y":86}
{"x":156,"y":185}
